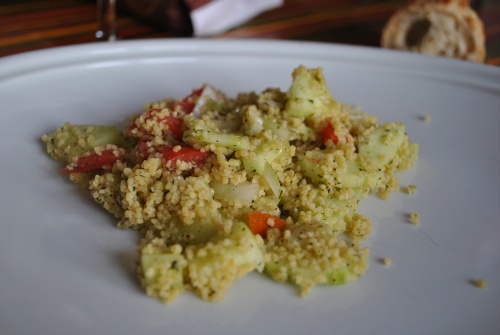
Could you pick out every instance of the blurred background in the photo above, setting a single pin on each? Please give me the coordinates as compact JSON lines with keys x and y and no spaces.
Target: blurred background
{"x":27,"y":25}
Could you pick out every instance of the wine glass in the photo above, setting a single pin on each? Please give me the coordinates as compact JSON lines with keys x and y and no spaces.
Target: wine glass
{"x":106,"y":19}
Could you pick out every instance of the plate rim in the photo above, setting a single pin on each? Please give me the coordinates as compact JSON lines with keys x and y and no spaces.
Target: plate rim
{"x":440,"y":68}
{"x":380,"y":60}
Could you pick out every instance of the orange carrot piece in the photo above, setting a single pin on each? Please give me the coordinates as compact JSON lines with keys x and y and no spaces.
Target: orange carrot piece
{"x":258,"y":222}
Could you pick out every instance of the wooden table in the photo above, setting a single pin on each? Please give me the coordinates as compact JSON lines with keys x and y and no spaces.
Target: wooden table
{"x":27,"y":25}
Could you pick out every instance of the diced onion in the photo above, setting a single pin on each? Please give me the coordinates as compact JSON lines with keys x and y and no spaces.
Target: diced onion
{"x":208,"y":93}
{"x":254,"y":124}
{"x":272,"y":179}
{"x":245,"y":192}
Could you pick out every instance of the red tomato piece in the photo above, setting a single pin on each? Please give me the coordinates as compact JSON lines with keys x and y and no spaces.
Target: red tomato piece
{"x":188,"y":103}
{"x":174,"y":125}
{"x":143,"y":148}
{"x":94,"y":161}
{"x":328,"y":133}
{"x":173,"y":122}
{"x":185,"y":154}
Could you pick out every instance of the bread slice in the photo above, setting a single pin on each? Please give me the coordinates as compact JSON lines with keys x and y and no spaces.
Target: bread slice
{"x":449,"y":28}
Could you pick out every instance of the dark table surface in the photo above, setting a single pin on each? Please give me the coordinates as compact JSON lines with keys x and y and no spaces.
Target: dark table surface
{"x":27,"y":25}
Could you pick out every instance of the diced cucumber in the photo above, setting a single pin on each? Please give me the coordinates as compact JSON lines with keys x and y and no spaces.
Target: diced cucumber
{"x":199,"y":232}
{"x":214,"y":269}
{"x":332,"y":277}
{"x":309,"y":94}
{"x":286,"y":131}
{"x":314,"y":166}
{"x":277,"y":128}
{"x":153,"y":266}
{"x":229,"y":141}
{"x":71,"y":141}
{"x":311,"y":255}
{"x":262,"y":157}
{"x":162,"y":272}
{"x":410,"y":157}
{"x":269,"y":151}
{"x":325,"y":209}
{"x":381,"y":145}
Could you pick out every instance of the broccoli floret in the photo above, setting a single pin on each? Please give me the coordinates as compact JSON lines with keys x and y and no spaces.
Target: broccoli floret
{"x":214,"y":266}
{"x":310,"y":254}
{"x":71,"y":141}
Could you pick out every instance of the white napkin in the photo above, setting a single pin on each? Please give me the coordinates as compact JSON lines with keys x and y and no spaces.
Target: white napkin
{"x":217,"y":16}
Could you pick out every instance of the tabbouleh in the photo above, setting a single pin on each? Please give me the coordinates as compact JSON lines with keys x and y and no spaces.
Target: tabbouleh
{"x":218,"y":187}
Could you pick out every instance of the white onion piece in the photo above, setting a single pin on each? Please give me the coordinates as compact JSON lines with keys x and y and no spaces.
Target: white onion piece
{"x":254,"y":123}
{"x":272,"y":179}
{"x":271,"y":103}
{"x":208,"y":93}
{"x":245,"y":192}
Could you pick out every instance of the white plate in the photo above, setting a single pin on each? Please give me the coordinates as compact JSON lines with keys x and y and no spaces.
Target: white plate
{"x":65,"y":268}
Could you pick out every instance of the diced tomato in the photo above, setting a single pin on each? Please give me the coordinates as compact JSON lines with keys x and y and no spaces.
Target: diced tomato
{"x":185,"y":154}
{"x":143,"y":149}
{"x":188,"y":103}
{"x":95,"y":161}
{"x":258,"y":222}
{"x":174,"y":122}
{"x":174,"y":125}
{"x":328,"y":133}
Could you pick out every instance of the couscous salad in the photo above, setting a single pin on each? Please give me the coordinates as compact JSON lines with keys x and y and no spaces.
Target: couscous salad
{"x":218,"y":187}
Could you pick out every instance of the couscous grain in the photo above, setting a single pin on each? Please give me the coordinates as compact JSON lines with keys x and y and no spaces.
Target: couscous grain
{"x":410,"y":189}
{"x":218,"y":187}
{"x":414,"y":218}
{"x":481,"y":283}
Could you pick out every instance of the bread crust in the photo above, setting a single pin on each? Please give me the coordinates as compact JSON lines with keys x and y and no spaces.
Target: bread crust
{"x":449,"y":28}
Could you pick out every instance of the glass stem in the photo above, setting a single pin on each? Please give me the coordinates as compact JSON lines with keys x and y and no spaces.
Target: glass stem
{"x":106,"y":20}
